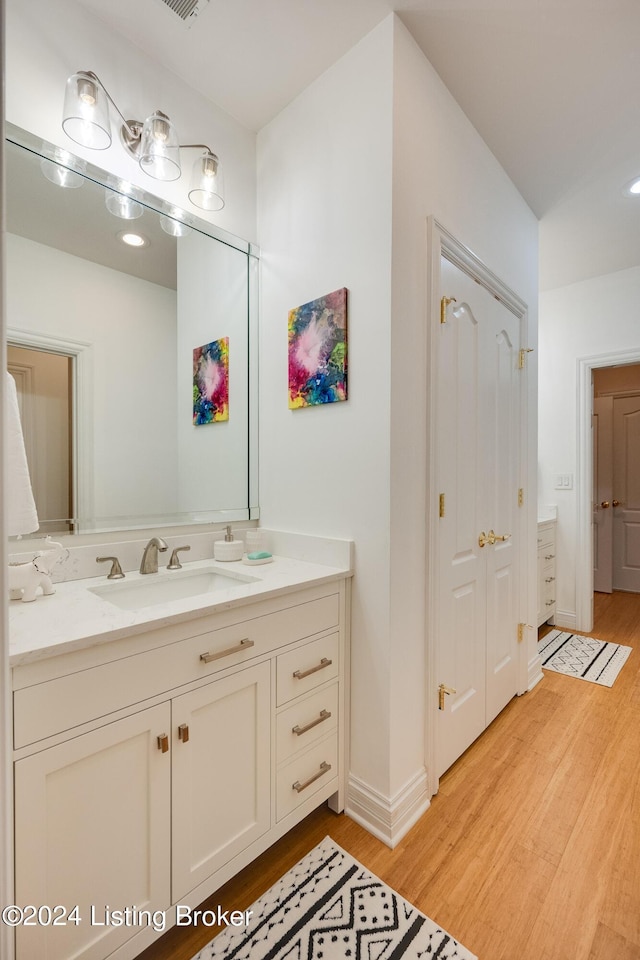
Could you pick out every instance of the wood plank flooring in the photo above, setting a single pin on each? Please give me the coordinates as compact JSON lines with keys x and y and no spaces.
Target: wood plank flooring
{"x":531,"y":849}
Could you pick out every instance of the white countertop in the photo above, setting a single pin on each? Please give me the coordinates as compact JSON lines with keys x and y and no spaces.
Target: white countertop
{"x":74,"y":618}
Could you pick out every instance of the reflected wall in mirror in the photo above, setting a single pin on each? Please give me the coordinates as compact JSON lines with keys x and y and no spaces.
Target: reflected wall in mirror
{"x":124,"y":321}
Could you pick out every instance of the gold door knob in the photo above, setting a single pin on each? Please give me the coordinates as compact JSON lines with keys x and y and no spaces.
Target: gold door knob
{"x":605,"y":504}
{"x":616,"y":503}
{"x":486,"y":538}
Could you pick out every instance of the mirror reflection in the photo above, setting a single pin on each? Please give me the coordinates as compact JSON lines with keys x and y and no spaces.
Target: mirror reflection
{"x":101,"y":337}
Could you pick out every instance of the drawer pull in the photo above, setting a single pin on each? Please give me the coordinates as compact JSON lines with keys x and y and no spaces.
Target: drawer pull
{"x":236,"y":648}
{"x":163,"y":743}
{"x":324,"y":715}
{"x":550,"y":603}
{"x":549,"y":579}
{"x":299,"y":787}
{"x":301,"y":674}
{"x":550,"y":556}
{"x":183,"y":732}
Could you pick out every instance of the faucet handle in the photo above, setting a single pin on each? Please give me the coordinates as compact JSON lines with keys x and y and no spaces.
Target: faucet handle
{"x":116,"y":570}
{"x":174,"y":563}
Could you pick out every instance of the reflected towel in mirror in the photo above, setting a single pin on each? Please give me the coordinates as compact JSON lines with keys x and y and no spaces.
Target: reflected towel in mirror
{"x":22,"y":516}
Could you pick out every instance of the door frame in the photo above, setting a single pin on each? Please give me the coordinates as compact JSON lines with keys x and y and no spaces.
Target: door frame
{"x":584,"y":492}
{"x":442,"y":243}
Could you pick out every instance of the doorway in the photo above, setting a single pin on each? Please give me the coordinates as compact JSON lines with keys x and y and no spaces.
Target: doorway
{"x":616,"y":478}
{"x":45,"y":391}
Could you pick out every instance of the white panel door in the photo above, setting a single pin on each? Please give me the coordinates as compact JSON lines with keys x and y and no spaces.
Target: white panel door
{"x":92,"y":827}
{"x":602,"y":424}
{"x":221,"y":773}
{"x":626,"y":490}
{"x":477,"y":423}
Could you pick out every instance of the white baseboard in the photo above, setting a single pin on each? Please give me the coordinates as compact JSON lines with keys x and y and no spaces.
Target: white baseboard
{"x":388,"y":819}
{"x":567,"y":619}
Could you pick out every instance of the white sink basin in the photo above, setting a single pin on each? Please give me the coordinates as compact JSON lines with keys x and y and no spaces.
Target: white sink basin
{"x":156,"y":588}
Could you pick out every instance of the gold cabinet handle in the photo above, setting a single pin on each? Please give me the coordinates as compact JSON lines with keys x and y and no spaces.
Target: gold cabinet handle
{"x":299,"y":787}
{"x":324,"y":715}
{"x":443,"y":690}
{"x":301,"y":674}
{"x":236,"y":648}
{"x":605,"y":504}
{"x":549,"y":579}
{"x":183,"y":732}
{"x":616,"y":503}
{"x":163,"y":742}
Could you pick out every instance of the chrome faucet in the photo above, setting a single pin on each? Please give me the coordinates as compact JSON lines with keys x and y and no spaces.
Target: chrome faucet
{"x":150,"y":556}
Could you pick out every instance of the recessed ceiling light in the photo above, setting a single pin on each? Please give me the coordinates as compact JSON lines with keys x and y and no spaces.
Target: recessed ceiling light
{"x":632,"y":189}
{"x":134,"y":239}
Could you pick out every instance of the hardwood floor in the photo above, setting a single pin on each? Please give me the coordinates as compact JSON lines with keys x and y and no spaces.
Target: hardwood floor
{"x":531,"y":849}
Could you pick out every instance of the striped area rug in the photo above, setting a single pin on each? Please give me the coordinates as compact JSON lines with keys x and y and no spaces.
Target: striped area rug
{"x":328,"y":907}
{"x":584,"y":657}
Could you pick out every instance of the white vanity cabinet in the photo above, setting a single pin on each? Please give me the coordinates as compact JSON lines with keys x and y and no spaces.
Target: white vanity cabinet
{"x":546,"y":571}
{"x":150,"y":769}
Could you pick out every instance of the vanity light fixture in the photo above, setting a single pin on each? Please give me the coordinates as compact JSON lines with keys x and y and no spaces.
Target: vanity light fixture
{"x":122,"y":206}
{"x":174,"y":224}
{"x":154,"y":143}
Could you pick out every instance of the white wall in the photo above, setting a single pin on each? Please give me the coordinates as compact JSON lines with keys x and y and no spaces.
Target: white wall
{"x":131,"y":327}
{"x":597,"y":317}
{"x":46,"y":42}
{"x":347,"y":175}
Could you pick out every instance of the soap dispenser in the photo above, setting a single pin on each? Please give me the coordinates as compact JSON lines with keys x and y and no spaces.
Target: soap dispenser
{"x":228,"y":549}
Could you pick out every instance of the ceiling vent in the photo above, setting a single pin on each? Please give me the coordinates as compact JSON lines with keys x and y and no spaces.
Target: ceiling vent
{"x":187,"y":10}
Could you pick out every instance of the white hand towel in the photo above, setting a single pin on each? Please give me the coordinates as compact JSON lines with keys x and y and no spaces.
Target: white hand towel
{"x":22,"y":516}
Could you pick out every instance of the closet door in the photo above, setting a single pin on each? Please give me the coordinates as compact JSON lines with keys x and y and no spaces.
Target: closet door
{"x":626,"y":491}
{"x":478,"y":457}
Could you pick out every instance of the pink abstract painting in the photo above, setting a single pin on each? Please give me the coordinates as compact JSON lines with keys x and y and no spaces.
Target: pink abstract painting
{"x":318,"y":351}
{"x":211,"y":382}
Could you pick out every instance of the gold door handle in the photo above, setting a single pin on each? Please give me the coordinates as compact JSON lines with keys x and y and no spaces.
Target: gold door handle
{"x":443,"y":690}
{"x":444,"y":303}
{"x":605,"y":504}
{"x":616,"y":503}
{"x":504,"y":536}
{"x":486,"y":538}
{"x":163,"y":743}
{"x":183,"y":732}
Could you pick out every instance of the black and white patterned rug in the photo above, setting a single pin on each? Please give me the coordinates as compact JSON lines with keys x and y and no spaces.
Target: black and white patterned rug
{"x":583,"y":657}
{"x":328,"y":907}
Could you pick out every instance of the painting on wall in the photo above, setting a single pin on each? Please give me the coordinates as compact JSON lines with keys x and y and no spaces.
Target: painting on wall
{"x":211,"y":382}
{"x":318,"y":351}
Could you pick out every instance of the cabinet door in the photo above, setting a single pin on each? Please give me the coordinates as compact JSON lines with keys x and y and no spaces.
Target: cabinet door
{"x":92,"y":826}
{"x":221,"y":788}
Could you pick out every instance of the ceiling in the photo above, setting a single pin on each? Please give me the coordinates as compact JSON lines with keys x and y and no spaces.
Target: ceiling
{"x":549,"y":84}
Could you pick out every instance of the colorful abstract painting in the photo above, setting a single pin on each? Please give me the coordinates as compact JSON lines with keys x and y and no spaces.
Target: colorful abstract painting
{"x":211,"y":382}
{"x":318,"y":351}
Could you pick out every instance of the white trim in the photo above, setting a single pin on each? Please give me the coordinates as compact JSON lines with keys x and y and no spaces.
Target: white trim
{"x":81,"y":354}
{"x":441,"y":243}
{"x":584,"y":484}
{"x":388,"y":818}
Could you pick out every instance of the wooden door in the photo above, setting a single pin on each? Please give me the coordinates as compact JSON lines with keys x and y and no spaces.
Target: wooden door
{"x":602,"y":424}
{"x":221,"y":773}
{"x":92,"y":827}
{"x":626,"y":491}
{"x":477,"y":444}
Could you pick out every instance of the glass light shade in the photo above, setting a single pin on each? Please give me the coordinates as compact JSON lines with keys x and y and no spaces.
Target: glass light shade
{"x":174,"y":226}
{"x":121,"y":206}
{"x":207,"y":188}
{"x":86,"y":112}
{"x":57,"y":172}
{"x":159,"y":148}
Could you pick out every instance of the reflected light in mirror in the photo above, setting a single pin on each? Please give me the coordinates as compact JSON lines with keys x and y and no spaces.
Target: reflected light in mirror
{"x":134,"y":239}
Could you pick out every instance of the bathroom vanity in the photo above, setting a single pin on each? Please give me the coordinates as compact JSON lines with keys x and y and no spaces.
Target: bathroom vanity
{"x":160,"y":749}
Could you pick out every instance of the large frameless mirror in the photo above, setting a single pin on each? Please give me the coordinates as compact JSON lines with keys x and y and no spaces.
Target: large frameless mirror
{"x":135,"y":365}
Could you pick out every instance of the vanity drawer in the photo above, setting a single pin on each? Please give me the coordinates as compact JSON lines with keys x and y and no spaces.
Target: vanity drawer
{"x":305,"y":775}
{"x":306,"y":667}
{"x":305,"y":721}
{"x":56,"y":705}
